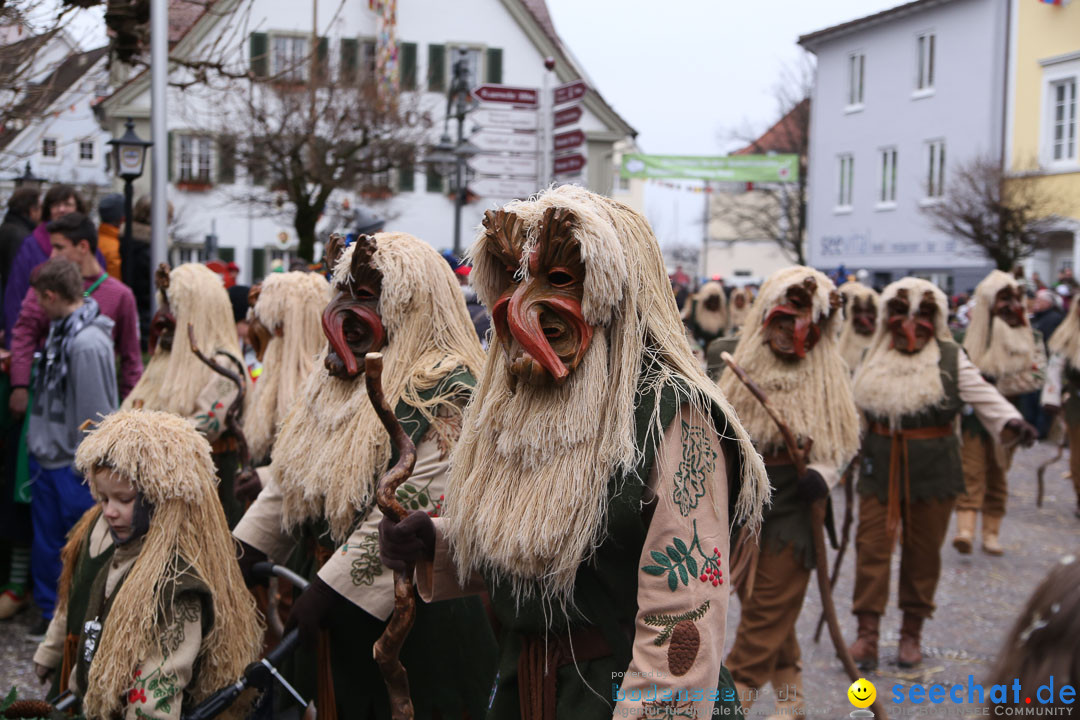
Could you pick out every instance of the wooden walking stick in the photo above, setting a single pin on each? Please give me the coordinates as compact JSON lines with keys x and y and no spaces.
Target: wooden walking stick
{"x":387,"y":648}
{"x":845,"y":533}
{"x":817,"y":524}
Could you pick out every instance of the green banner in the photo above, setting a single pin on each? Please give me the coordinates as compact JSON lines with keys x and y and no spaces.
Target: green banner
{"x":722,"y":168}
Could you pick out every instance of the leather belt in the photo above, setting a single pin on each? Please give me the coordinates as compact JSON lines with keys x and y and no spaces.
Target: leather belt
{"x":899,"y":469}
{"x":542,"y":656}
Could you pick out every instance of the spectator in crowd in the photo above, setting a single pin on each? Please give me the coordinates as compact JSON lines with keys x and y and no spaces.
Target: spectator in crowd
{"x":1046,"y":315}
{"x":1064,"y":292}
{"x":238,"y":298}
{"x":111,"y":212}
{"x":23,"y":214}
{"x":76,"y":383}
{"x":35,"y":249}
{"x":74,"y":238}
{"x":1037,"y":281}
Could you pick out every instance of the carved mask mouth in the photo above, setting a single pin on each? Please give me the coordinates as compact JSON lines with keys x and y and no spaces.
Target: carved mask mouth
{"x":910,"y":334}
{"x":1009,"y":307}
{"x":864,"y":317}
{"x":790,"y":330}
{"x":539,"y":319}
{"x":351,"y":322}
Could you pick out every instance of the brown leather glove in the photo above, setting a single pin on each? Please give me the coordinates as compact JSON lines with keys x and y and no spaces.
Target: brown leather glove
{"x":402,"y":544}
{"x":312,"y":611}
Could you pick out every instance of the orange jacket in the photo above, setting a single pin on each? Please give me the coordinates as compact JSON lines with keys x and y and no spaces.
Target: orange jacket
{"x":109,"y":244}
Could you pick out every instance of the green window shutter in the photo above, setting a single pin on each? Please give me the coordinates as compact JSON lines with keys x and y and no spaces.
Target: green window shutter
{"x":226,"y":254}
{"x":226,"y":147}
{"x":436,"y":67}
{"x":258,"y":264}
{"x":434,"y":181}
{"x":322,"y":61}
{"x":259,"y":57}
{"x":172,"y":151}
{"x":407,"y":178}
{"x":408,"y":66}
{"x":494,"y":65}
{"x":350,"y":49}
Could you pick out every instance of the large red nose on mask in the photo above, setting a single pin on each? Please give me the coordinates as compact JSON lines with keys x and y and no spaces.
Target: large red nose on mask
{"x":333,"y":323}
{"x":521,"y":317}
{"x":162,"y":322}
{"x":907,"y":325}
{"x":804,"y":333}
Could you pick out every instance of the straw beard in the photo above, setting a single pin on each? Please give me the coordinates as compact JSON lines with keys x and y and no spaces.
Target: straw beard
{"x":522,"y":454}
{"x":891,"y":384}
{"x":1011,"y":349}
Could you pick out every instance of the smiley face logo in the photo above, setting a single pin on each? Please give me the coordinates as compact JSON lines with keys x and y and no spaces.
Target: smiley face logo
{"x":862,"y":693}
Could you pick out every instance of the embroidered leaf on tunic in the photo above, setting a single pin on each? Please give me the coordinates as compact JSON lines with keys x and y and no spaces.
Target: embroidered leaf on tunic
{"x":368,"y":566}
{"x":680,"y":561}
{"x":698,"y":462}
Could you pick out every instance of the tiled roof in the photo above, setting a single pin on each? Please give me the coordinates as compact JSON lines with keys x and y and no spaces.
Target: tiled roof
{"x":787,"y":135}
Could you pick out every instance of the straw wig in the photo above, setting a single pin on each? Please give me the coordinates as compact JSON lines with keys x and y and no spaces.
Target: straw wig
{"x":169,"y":463}
{"x":995,"y":347}
{"x":852,"y":344}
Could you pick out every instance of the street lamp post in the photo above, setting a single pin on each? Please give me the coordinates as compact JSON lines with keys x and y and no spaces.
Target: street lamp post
{"x":448,"y":156}
{"x":28,"y":179}
{"x":129,"y":157}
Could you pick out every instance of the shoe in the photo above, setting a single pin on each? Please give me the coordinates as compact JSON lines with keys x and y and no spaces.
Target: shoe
{"x":965,"y":531}
{"x":991,"y":527}
{"x":864,"y":651}
{"x":36,"y":633}
{"x":909,"y":652}
{"x":11,"y":603}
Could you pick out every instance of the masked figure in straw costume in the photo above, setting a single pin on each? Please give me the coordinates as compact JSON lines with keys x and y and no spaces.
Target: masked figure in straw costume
{"x":739,"y":308}
{"x":860,"y":321}
{"x":395,"y":295}
{"x":911,"y":386}
{"x":1009,"y":353}
{"x":153,"y":615}
{"x":176,"y":380}
{"x":1062,"y":389}
{"x":705,"y":314}
{"x":285,"y":330}
{"x":595,"y":477}
{"x":790,"y":349}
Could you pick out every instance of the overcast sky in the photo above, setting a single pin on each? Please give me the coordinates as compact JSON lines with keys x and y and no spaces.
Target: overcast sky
{"x":687,"y":73}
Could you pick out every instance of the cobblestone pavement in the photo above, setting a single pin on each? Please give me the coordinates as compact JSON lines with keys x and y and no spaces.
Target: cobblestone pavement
{"x":978,"y":599}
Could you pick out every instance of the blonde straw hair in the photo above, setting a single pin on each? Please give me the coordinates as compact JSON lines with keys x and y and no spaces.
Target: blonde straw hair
{"x":812,"y":395}
{"x":711,"y":321}
{"x":528,"y":493}
{"x":331,"y":448}
{"x":1066,"y":339}
{"x":994,"y":347}
{"x":167,"y":461}
{"x":852,"y":344}
{"x":173,"y":379}
{"x":290,"y":303}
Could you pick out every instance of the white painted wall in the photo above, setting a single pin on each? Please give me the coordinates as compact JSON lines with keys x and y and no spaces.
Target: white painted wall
{"x":965,"y":109}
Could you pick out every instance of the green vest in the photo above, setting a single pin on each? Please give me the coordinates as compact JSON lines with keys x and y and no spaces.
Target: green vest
{"x":934,"y":468}
{"x":786,"y":520}
{"x":449,"y":654}
{"x":605,"y":594}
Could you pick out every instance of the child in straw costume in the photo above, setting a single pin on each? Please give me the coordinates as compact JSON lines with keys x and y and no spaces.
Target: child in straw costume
{"x":167,"y":621}
{"x":176,"y":380}
{"x":395,"y":295}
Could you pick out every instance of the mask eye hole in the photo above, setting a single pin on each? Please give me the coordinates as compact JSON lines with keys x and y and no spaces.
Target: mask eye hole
{"x":560,"y":278}
{"x":364,"y":293}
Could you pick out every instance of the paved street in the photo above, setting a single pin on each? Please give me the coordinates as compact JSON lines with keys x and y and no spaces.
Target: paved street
{"x":978,"y":599}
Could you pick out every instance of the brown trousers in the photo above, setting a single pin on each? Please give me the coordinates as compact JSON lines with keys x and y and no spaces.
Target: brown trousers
{"x":1074,"y":458}
{"x":984,"y":477}
{"x":922,"y":533}
{"x":765,"y":641}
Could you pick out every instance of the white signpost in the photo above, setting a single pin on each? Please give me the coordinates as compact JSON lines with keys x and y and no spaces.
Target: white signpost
{"x":492,"y":141}
{"x":513,"y":119}
{"x":499,"y":187}
{"x":510,"y":165}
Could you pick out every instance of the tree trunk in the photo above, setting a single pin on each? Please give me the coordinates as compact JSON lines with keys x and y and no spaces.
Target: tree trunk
{"x":304,"y":222}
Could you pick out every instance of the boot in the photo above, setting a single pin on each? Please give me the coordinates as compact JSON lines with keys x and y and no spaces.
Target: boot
{"x":991,"y":527}
{"x":864,"y":651}
{"x":909,"y":654}
{"x":746,"y":694}
{"x":965,"y":531}
{"x":788,"y":689}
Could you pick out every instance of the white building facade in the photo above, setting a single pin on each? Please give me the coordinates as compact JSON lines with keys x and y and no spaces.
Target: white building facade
{"x":506,"y":42}
{"x":901,"y":98}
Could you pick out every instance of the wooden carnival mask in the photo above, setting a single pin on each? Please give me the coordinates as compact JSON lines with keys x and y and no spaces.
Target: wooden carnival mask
{"x":258,"y":335}
{"x":863,"y":314}
{"x":351,"y":321}
{"x":739,"y":299}
{"x":790,"y":329}
{"x":538,"y":319}
{"x":163,"y":324}
{"x":911,"y":331}
{"x":712,"y":302}
{"x":1009,"y":306}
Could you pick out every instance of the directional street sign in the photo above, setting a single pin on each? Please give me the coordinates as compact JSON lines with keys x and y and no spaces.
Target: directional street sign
{"x":570,"y":92}
{"x":569,"y":164}
{"x":569,"y":140}
{"x":567,"y":116}
{"x":508,"y":118}
{"x":519,"y":165}
{"x":509,"y":188}
{"x":507,"y":94}
{"x":493,"y":141}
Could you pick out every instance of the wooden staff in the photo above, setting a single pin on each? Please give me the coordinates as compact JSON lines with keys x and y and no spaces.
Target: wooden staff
{"x":235,"y":413}
{"x":845,"y":534}
{"x":817,"y":525}
{"x":387,"y":649}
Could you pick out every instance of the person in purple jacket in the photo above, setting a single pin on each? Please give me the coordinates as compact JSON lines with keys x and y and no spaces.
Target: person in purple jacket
{"x":35,"y":249}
